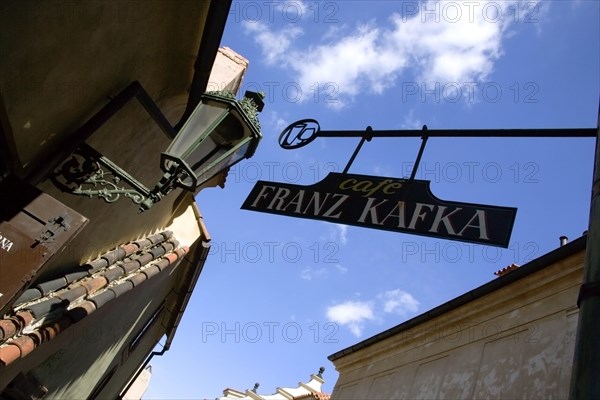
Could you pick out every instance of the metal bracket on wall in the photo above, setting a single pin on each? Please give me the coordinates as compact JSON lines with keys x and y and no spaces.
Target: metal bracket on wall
{"x":133,"y":90}
{"x":89,"y":173}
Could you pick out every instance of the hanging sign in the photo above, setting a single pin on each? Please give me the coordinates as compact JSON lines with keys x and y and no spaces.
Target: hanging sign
{"x":390,"y":204}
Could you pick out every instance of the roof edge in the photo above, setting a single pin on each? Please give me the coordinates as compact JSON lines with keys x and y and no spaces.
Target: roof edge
{"x":531,"y":267}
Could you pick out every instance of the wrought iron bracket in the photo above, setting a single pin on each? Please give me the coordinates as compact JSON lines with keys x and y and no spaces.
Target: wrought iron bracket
{"x":89,"y":173}
{"x":115,"y":104}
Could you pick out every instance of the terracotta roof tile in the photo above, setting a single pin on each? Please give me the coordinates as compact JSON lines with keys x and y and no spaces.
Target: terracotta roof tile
{"x":506,"y":270}
{"x":74,"y":276}
{"x":182,"y":251}
{"x":25,"y":344}
{"x":53,"y":285}
{"x":44,"y":307}
{"x":151,"y":271}
{"x":8,"y":328}
{"x":113,"y":273}
{"x":52,"y":329}
{"x":28,"y":295}
{"x":142,"y":243}
{"x":97,"y":265}
{"x":162,"y":263}
{"x":145,"y":258}
{"x":37,"y":336}
{"x":172,"y":257}
{"x":137,"y":279}
{"x":26,"y":317}
{"x":313,"y":396}
{"x":130,"y":266}
{"x":130,"y":248}
{"x":157,"y":251}
{"x":121,"y":288}
{"x":9,"y":353}
{"x":158,"y":238}
{"x":102,"y":298}
{"x":73,"y":294}
{"x":90,"y":292}
{"x":168,"y":246}
{"x":81,"y":311}
{"x":94,"y":284}
{"x":115,"y":255}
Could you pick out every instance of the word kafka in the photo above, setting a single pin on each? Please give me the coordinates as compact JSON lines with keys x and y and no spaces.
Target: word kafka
{"x":390,"y":204}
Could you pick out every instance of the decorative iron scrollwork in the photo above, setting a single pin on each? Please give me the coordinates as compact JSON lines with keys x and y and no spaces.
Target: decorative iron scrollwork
{"x":88,"y":173}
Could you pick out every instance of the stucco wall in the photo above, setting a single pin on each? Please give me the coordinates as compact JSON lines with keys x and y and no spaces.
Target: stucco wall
{"x":61,"y":60}
{"x":516,"y":342}
{"x":133,"y":141}
{"x":228,"y":71}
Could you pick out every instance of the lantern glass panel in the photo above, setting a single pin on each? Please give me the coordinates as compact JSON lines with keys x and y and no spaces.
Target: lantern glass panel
{"x":196,"y":127}
{"x":222,"y":161}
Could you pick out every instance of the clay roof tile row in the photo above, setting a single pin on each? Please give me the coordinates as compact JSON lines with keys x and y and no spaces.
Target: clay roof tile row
{"x":73,"y":303}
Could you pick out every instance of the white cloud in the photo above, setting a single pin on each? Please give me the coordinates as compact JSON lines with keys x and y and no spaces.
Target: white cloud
{"x":352,"y":314}
{"x":343,"y":233}
{"x":275,"y":45}
{"x":275,"y":121}
{"x":308,"y":274}
{"x":398,"y":302}
{"x":446,"y":47}
{"x":411,"y":122}
{"x":337,"y":234}
{"x":341,"y":269}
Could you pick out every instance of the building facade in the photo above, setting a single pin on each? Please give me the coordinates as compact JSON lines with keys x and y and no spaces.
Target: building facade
{"x":89,"y":286}
{"x":510,"y":338}
{"x":311,"y":390}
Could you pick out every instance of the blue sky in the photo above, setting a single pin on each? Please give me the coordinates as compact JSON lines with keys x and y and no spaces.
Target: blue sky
{"x":278,"y":294}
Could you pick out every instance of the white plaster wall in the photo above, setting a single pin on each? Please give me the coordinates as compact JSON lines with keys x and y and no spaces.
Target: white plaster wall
{"x":516,"y":342}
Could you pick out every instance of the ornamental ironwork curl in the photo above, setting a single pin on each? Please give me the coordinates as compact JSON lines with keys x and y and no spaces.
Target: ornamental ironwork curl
{"x":83,"y":174}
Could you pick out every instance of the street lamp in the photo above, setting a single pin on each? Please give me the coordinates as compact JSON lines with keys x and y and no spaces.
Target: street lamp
{"x":219,"y":133}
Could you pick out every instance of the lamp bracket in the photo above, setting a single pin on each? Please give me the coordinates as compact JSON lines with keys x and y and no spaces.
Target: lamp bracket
{"x":88,"y":173}
{"x":180,"y":167}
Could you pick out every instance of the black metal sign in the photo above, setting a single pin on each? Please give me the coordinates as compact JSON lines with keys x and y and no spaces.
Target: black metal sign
{"x":391,"y":204}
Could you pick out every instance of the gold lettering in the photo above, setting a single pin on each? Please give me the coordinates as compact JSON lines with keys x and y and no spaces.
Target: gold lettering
{"x":368,"y":187}
{"x":396,"y":185}
{"x":343,"y":184}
